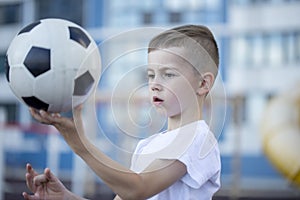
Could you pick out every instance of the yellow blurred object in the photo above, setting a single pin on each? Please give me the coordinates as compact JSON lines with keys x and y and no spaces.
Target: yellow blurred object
{"x":281,"y":134}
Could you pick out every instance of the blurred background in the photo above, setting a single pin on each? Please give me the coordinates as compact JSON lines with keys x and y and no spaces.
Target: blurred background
{"x":259,"y":42}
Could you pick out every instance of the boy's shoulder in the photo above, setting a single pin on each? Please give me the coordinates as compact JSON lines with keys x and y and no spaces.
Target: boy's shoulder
{"x":197,"y":134}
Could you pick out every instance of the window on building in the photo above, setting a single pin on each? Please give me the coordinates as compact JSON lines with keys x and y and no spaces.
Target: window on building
{"x":258,"y":50}
{"x":66,"y":9}
{"x":10,"y":111}
{"x":240,"y":51}
{"x":275,"y":51}
{"x":10,"y":13}
{"x":2,"y":61}
{"x":297,"y":46}
{"x":288,"y":42}
{"x":175,"y":17}
{"x":147,"y":18}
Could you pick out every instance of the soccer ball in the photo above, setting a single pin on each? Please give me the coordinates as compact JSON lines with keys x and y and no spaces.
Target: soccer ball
{"x":53,"y":64}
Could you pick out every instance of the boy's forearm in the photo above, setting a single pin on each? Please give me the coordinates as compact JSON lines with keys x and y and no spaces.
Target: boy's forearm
{"x":120,"y":179}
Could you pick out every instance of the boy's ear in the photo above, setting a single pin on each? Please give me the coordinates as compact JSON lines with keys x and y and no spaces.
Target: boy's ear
{"x":206,"y":82}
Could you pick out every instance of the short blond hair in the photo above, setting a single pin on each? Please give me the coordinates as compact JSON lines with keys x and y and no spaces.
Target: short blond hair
{"x":178,"y":37}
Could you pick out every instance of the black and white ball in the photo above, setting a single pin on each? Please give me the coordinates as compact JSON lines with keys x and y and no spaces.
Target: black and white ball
{"x":53,"y":64}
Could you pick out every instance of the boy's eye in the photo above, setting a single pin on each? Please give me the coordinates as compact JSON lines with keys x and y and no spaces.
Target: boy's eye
{"x":169,"y":75}
{"x":150,"y":76}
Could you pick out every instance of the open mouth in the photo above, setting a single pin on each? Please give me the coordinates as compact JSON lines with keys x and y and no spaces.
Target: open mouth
{"x":157,"y":100}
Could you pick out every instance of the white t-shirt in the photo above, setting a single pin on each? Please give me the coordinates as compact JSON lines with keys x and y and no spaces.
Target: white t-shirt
{"x":195,"y":146}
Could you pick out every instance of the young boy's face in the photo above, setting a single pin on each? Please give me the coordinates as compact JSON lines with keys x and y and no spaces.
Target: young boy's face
{"x":173,"y":82}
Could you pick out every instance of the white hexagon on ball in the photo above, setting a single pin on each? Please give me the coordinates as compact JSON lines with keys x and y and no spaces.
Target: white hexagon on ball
{"x":52,"y":61}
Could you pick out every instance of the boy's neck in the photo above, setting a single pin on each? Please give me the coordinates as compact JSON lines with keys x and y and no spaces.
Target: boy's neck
{"x":187,"y":117}
{"x":178,"y":121}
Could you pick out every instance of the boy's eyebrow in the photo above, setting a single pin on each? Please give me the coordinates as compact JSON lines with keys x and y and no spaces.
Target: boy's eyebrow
{"x":163,"y":68}
{"x":149,"y":69}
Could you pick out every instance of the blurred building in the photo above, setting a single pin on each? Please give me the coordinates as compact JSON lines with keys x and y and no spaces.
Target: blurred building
{"x":259,"y":43}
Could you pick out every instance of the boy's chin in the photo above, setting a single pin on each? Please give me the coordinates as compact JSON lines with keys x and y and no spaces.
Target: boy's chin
{"x":161,"y":111}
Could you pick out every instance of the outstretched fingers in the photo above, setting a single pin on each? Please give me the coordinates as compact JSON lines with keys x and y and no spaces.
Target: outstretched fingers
{"x":33,"y":179}
{"x":31,"y":173}
{"x":45,"y":117}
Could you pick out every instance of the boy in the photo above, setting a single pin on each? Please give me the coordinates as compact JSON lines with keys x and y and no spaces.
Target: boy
{"x":180,"y":163}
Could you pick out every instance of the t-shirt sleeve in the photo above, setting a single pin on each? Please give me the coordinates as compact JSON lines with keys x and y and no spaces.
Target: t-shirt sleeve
{"x":201,"y":168}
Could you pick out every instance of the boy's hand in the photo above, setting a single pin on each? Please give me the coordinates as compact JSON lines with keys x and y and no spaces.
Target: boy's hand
{"x":55,"y":119}
{"x":43,"y":186}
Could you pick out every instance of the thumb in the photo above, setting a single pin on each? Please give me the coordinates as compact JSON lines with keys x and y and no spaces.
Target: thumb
{"x":54,"y":182}
{"x":49,"y":175}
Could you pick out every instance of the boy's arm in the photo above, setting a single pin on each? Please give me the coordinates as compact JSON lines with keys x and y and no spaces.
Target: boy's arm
{"x":128,"y":184}
{"x":124,"y":182}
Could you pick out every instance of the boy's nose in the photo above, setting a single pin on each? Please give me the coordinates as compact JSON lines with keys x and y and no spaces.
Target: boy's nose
{"x":155,"y":86}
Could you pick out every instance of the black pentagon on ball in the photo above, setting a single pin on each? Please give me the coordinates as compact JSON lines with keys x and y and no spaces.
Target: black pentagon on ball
{"x":37,"y":61}
{"x":29,"y":27}
{"x":79,"y":36}
{"x":7,"y":68}
{"x":83,"y":84}
{"x":35,"y":103}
